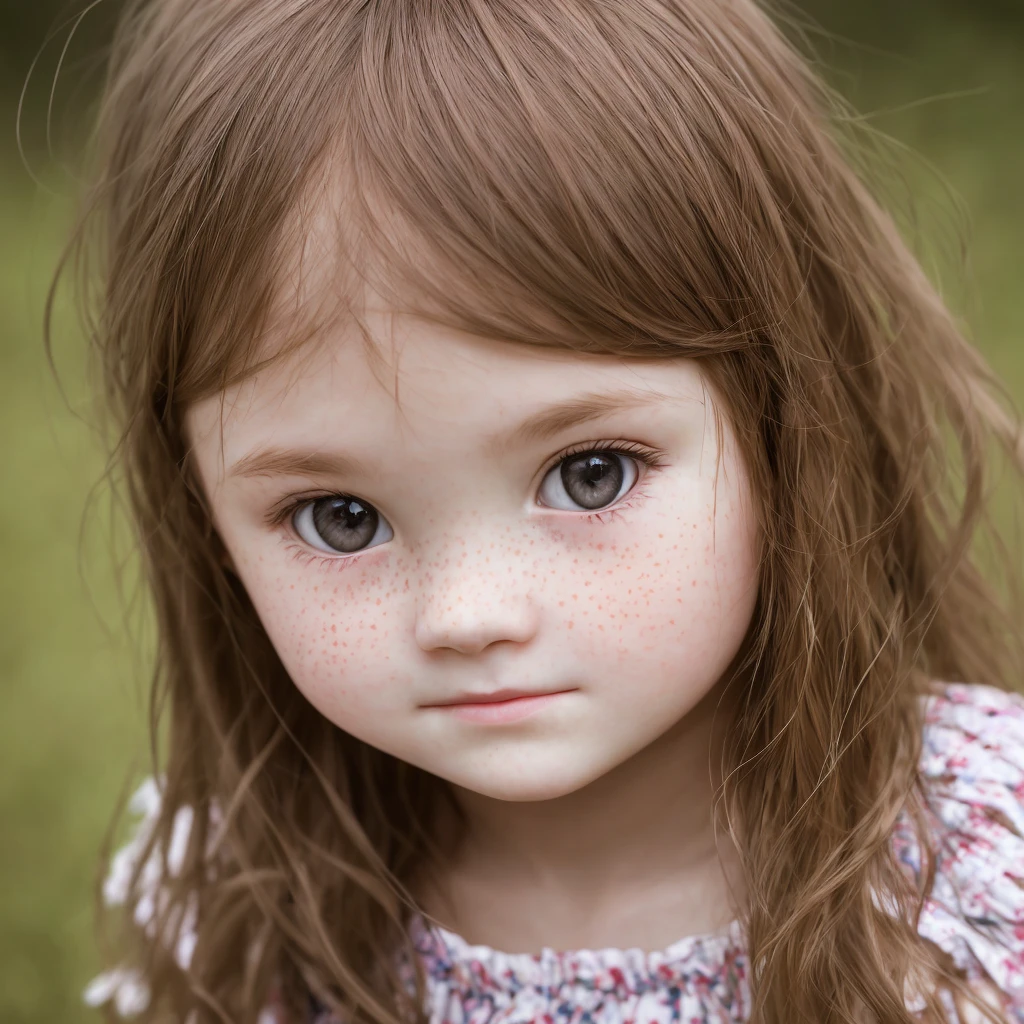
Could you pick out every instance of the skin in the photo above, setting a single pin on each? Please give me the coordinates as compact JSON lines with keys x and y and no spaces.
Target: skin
{"x":591,"y":820}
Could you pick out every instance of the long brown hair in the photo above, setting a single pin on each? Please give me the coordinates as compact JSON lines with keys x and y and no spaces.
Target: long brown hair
{"x":655,"y":178}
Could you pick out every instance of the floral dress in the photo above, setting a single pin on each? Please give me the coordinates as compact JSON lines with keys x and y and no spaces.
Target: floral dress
{"x":973,"y":766}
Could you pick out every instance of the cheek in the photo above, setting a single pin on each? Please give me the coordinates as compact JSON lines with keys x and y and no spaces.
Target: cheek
{"x":337,"y":629}
{"x":668,"y":596}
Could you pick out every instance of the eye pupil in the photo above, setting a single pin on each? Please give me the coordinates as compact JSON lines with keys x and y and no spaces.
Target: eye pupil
{"x":592,"y":479}
{"x":346,"y":524}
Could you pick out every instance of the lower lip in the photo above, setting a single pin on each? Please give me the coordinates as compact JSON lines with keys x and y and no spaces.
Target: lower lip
{"x":501,"y":710}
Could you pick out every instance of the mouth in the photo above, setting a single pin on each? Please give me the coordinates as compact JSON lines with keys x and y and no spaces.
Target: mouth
{"x":492,"y":709}
{"x":495,"y":697}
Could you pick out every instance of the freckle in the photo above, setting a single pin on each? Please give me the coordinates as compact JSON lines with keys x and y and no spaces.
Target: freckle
{"x":334,"y":627}
{"x":661,"y":536}
{"x":570,"y":624}
{"x":378,"y":600}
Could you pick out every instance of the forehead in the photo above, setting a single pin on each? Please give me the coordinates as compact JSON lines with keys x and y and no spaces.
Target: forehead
{"x":408,"y":376}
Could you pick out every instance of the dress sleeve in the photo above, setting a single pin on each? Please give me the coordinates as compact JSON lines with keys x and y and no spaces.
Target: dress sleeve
{"x":973,"y":767}
{"x":123,"y":987}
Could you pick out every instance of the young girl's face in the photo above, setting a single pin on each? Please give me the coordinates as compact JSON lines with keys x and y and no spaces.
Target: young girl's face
{"x":404,"y":553}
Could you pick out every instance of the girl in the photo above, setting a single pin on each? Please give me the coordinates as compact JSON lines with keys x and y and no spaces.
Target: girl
{"x":541,"y":450}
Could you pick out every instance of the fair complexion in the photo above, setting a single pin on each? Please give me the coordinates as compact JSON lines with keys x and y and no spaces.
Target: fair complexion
{"x":401,"y":552}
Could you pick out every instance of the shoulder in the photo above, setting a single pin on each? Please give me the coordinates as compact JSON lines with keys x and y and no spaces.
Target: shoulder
{"x":972,"y":763}
{"x":135,"y":879}
{"x":125,"y":987}
{"x":959,"y":713}
{"x":972,"y":768}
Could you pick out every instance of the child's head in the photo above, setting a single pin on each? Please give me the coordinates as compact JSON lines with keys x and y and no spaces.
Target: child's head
{"x":373,"y":270}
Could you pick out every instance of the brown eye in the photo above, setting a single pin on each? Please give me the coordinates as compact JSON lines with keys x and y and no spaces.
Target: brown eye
{"x":341,"y":524}
{"x":589,"y":481}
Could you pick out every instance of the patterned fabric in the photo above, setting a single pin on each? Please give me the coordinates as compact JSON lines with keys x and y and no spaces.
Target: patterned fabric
{"x":973,"y":766}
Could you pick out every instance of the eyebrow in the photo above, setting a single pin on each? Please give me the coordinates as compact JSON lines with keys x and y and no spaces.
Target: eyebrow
{"x":541,"y":426}
{"x":547,"y":423}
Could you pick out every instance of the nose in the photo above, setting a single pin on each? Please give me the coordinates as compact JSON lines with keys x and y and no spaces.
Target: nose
{"x":472,"y":612}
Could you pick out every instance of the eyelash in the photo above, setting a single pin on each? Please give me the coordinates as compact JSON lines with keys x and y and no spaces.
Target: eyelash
{"x":652,"y":458}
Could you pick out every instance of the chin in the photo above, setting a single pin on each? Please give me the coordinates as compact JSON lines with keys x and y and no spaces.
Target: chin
{"x":530,"y":789}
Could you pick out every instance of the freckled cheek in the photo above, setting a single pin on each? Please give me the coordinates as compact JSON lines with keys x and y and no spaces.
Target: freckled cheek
{"x":652,"y":609}
{"x":331,"y":626}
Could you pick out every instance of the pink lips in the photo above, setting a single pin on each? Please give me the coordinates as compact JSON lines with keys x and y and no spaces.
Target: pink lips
{"x":496,"y":711}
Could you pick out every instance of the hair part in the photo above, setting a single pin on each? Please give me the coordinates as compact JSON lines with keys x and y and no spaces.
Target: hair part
{"x":656,"y":179}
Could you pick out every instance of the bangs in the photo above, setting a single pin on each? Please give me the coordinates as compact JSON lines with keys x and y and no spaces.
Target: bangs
{"x":513,"y":178}
{"x":524,"y":174}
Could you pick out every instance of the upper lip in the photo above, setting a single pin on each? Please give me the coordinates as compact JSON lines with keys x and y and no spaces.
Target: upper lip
{"x":493,"y":697}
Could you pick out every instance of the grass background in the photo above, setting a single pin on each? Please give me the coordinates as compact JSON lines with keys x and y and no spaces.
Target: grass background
{"x":947,"y":83}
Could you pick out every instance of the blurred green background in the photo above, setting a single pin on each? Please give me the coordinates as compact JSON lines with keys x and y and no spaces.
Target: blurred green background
{"x":944,"y":79}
